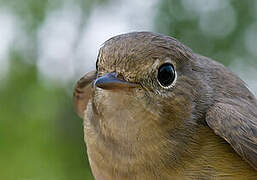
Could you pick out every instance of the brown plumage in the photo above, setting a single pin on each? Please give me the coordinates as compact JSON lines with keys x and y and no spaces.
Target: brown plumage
{"x":153,"y":109}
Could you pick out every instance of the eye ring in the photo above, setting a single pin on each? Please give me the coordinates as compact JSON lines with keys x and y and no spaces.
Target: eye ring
{"x":166,"y":75}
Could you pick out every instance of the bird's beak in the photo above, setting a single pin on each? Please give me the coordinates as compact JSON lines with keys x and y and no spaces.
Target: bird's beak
{"x":110,"y":81}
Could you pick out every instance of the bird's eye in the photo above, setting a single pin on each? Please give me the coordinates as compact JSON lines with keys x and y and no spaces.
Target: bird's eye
{"x":166,"y":75}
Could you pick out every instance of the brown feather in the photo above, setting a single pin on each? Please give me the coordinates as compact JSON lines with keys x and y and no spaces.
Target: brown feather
{"x":238,"y":126}
{"x":200,"y":128}
{"x":82,"y":92}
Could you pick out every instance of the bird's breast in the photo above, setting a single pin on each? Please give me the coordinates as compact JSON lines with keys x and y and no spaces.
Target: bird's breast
{"x":122,"y":115}
{"x":122,"y":136}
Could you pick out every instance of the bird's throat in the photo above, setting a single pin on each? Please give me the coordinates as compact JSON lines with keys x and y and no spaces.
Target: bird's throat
{"x":122,"y":136}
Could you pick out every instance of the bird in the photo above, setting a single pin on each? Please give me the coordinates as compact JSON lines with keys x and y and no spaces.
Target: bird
{"x":154,"y":109}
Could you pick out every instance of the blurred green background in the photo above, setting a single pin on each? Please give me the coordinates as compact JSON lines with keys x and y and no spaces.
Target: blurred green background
{"x":45,"y":46}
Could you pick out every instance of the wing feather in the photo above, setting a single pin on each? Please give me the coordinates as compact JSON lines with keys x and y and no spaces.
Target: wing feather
{"x":238,"y":126}
{"x":82,"y":92}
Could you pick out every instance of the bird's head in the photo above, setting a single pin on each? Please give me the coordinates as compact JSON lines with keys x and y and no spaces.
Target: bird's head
{"x":148,"y":71}
{"x":144,"y":98}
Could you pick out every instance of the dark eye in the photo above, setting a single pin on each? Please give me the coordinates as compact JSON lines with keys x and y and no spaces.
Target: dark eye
{"x":166,"y":74}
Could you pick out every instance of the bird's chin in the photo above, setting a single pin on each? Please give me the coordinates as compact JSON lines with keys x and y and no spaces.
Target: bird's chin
{"x":114,"y":101}
{"x":120,"y":108}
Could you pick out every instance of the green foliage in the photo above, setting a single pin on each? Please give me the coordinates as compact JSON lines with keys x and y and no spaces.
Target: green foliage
{"x":41,"y":138}
{"x":178,"y":19}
